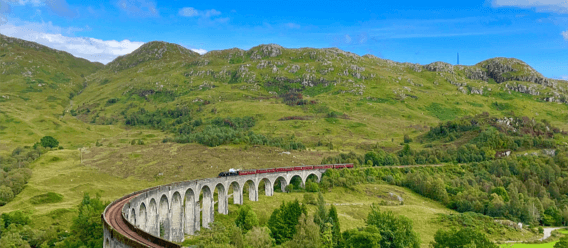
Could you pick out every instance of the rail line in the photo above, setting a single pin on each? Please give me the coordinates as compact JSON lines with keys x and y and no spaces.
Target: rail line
{"x":116,"y":221}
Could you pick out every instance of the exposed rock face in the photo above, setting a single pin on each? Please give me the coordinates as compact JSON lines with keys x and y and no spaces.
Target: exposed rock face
{"x":503,"y":69}
{"x":264,"y":51}
{"x":523,"y":89}
{"x":414,"y":67}
{"x":475,"y":73}
{"x":440,"y":66}
{"x":293,"y":69}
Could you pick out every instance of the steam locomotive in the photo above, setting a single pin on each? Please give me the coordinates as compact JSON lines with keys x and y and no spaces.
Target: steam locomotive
{"x":233,"y":172}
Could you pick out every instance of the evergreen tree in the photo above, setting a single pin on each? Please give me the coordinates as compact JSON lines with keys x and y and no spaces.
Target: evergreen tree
{"x":307,"y":234}
{"x":336,"y":229}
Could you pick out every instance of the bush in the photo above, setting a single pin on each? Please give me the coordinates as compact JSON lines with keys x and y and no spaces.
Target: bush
{"x":48,"y":141}
{"x":407,"y":139}
{"x":309,"y":199}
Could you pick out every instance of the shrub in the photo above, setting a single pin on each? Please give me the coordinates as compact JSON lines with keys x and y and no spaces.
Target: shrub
{"x":48,"y":141}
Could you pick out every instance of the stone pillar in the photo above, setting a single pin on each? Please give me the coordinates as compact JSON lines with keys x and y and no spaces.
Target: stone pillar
{"x":197,"y":223}
{"x":283,"y":184}
{"x":223,"y":202}
{"x":207,"y":208}
{"x":238,"y":195}
{"x":253,"y":192}
{"x":189,"y":213}
{"x":268,"y":188}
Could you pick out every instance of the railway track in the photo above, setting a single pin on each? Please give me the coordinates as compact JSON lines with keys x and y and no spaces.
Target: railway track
{"x":115,"y":220}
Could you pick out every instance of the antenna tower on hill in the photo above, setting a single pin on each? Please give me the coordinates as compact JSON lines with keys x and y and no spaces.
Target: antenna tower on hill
{"x":458,"y":58}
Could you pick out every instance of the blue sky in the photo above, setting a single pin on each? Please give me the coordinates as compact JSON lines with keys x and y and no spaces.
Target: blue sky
{"x":535,"y":31}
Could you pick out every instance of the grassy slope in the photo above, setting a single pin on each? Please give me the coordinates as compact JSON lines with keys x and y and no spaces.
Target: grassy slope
{"x":35,"y":88}
{"x":380,"y":107}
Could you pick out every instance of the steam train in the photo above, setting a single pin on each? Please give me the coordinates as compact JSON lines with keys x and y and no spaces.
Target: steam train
{"x":233,"y":172}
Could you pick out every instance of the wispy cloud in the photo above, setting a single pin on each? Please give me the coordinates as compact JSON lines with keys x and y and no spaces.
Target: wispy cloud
{"x":192,"y":12}
{"x":49,"y":35}
{"x":292,"y":25}
{"x":557,"y":6}
{"x":59,"y":7}
{"x":204,"y":17}
{"x":565,"y":35}
{"x":139,"y":8}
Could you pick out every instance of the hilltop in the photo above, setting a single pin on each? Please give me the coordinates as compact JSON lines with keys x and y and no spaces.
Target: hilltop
{"x":338,"y":97}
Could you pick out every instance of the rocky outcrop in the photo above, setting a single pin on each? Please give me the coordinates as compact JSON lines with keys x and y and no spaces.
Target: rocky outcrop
{"x":523,"y":89}
{"x":440,"y":67}
{"x":475,"y":73}
{"x":266,"y":51}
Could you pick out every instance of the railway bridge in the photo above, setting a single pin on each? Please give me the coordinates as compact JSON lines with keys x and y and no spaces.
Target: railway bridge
{"x":163,"y":215}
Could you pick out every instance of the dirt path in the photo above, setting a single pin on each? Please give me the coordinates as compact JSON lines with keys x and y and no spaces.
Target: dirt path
{"x":547,"y":234}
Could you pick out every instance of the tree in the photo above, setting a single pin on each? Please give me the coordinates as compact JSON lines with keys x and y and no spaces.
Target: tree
{"x":259,"y":237}
{"x":562,"y":243}
{"x":283,"y":221}
{"x":396,"y":231}
{"x":368,"y":237}
{"x":6,"y":195}
{"x":87,"y":228}
{"x":464,"y":238}
{"x":246,"y":218}
{"x":307,"y":234}
{"x":48,"y":141}
{"x":320,"y":217}
{"x":336,"y":229}
{"x":407,"y":139}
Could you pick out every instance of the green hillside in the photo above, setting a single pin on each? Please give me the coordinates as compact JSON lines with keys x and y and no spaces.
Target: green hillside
{"x":344,"y":99}
{"x":491,"y":136}
{"x":37,"y":84}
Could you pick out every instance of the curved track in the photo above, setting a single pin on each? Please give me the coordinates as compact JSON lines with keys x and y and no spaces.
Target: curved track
{"x":115,"y":220}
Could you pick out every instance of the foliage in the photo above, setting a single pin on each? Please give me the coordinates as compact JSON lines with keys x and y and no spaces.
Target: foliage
{"x":283,"y":221}
{"x":259,"y":237}
{"x":15,"y":171}
{"x":246,"y":218}
{"x":367,"y":237}
{"x":562,"y":243}
{"x":396,"y":231}
{"x":307,"y":234}
{"x":87,"y":228}
{"x":463,"y":238}
{"x":49,"y":142}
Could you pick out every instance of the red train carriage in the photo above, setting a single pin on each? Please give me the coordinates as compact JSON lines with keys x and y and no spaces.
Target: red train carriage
{"x":247,"y":172}
{"x":283,"y":169}
{"x":309,"y":167}
{"x":317,"y":167}
{"x":349,"y":165}
{"x":338,"y":166}
{"x":270,"y":170}
{"x":328,"y":166}
{"x":261,"y":171}
{"x":298,"y":168}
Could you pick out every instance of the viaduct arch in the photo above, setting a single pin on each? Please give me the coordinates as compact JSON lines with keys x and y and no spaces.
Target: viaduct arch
{"x":160,"y":216}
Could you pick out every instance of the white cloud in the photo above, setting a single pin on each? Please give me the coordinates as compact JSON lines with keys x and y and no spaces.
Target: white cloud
{"x":188,"y":12}
{"x":192,"y":12}
{"x":565,"y":35}
{"x":200,"y":51}
{"x":92,"y":49}
{"x":347,"y":39}
{"x":558,"y":6}
{"x":564,"y":77}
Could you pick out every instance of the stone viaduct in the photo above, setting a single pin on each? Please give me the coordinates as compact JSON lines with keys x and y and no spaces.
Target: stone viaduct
{"x":159,"y":216}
